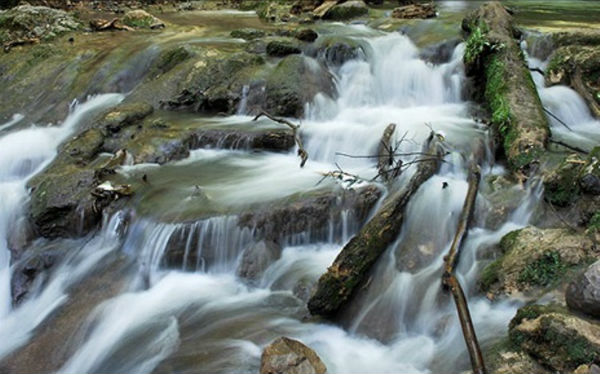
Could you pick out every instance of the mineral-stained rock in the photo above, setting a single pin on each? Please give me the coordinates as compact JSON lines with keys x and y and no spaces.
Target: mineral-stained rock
{"x":289,"y":356}
{"x":583,"y":293}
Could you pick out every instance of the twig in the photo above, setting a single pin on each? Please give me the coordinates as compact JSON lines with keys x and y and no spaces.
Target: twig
{"x":538,"y":70}
{"x":301,"y":151}
{"x":571,"y":147}
{"x":558,"y":119}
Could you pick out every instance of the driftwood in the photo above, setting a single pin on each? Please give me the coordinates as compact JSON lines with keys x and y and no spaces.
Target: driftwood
{"x":354,"y":262}
{"x":301,"y":151}
{"x":105,"y":25}
{"x":14,"y":43}
{"x":449,"y":280}
{"x":386,"y":152}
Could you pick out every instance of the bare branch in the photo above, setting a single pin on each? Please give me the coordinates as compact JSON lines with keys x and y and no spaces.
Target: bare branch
{"x":302,"y":153}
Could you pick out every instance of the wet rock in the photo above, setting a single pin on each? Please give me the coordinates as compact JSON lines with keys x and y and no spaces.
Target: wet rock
{"x":309,"y":214}
{"x":574,"y":176}
{"x":289,"y":356}
{"x":508,"y":360}
{"x":247,"y":34}
{"x":307,"y":35}
{"x":336,"y":51}
{"x":583,"y":293}
{"x":417,"y":10}
{"x":281,"y":48}
{"x":441,"y":52}
{"x":215,"y":84}
{"x":35,"y":22}
{"x":347,"y":10}
{"x":257,"y":258}
{"x":274,"y":11}
{"x":273,"y":140}
{"x":555,"y":338}
{"x":28,"y":269}
{"x":294,"y":82}
{"x":577,"y":66}
{"x":533,"y":259}
{"x":170,"y":58}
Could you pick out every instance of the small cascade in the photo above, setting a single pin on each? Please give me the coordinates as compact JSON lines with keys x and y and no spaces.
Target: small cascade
{"x":570,"y":118}
{"x":244,"y":100}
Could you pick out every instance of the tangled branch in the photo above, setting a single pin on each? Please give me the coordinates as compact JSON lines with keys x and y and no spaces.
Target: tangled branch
{"x":301,"y":151}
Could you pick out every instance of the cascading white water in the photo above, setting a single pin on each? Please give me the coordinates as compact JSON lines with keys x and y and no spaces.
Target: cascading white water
{"x":578,"y":128}
{"x":23,"y":153}
{"x":169,"y":320}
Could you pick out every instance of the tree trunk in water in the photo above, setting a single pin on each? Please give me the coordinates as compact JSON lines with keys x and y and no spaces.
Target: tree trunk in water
{"x":354,"y":262}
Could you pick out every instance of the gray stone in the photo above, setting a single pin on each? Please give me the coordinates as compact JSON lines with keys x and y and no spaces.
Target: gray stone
{"x":583,"y":293}
{"x":289,"y":356}
{"x":257,"y":258}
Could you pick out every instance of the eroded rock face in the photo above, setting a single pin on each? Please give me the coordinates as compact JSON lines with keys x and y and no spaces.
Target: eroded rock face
{"x":555,"y":338}
{"x":583,"y":293}
{"x":289,"y":356}
{"x":534,"y":259}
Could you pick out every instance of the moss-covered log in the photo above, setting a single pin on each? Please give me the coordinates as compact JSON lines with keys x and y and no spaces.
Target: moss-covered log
{"x":354,"y":262}
{"x":494,"y":58}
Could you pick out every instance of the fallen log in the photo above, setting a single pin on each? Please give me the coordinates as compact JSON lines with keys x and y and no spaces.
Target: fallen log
{"x":449,"y":280}
{"x":105,"y":25}
{"x":301,"y":151}
{"x":493,"y":57}
{"x":354,"y":262}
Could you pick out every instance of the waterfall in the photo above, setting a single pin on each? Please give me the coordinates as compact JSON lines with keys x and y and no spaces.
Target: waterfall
{"x":184,"y":309}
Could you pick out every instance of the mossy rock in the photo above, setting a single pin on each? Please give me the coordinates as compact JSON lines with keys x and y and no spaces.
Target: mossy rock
{"x":26,"y":21}
{"x":348,"y":10}
{"x":561,"y":186}
{"x":533,"y":260}
{"x":505,"y":357}
{"x":293,"y":83}
{"x":172,"y":57}
{"x":555,"y":338}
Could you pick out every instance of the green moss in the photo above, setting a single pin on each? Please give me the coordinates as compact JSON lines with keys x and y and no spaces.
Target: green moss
{"x":476,"y":44}
{"x":594,"y":224}
{"x":544,"y":271}
{"x":490,"y":275}
{"x":509,"y":240}
{"x":495,"y":94}
{"x":561,"y":187}
{"x":172,"y":57}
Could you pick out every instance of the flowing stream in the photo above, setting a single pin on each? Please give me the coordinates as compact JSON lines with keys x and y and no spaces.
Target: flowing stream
{"x":206,"y":319}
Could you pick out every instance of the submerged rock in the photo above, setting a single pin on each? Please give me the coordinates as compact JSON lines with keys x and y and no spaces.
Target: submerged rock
{"x":247,"y":34}
{"x":257,"y":258}
{"x":555,"y":338}
{"x":583,"y":293}
{"x":306,"y":35}
{"x":533,"y":259}
{"x":289,"y":356}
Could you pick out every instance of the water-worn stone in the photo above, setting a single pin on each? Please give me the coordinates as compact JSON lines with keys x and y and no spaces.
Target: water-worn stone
{"x":347,"y":10}
{"x":583,"y":293}
{"x":289,"y":356}
{"x":533,"y":259}
{"x":335,"y":51}
{"x":307,"y":35}
{"x":257,"y":258}
{"x":555,"y":338}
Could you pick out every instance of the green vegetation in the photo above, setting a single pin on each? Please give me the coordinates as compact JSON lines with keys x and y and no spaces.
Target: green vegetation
{"x":490,"y":275}
{"x":594,"y":224}
{"x":543,"y":271}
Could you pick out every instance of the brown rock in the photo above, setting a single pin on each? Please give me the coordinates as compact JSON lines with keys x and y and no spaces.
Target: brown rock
{"x":289,"y":356}
{"x":415,"y":11}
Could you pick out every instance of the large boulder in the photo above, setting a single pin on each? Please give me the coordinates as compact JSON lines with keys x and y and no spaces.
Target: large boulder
{"x":555,"y":338}
{"x":583,"y":293}
{"x":35,"y":22}
{"x":289,"y":356}
{"x":533,"y":259}
{"x":347,"y":10}
{"x":294,"y":82}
